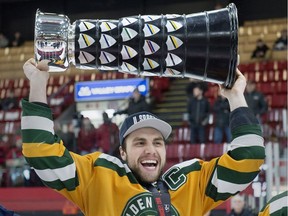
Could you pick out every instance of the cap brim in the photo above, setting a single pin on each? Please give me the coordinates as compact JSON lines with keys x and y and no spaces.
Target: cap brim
{"x":163,"y":127}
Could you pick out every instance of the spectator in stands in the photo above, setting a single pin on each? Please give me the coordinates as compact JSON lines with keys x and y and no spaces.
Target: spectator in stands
{"x":158,"y":85}
{"x":238,"y":207}
{"x":4,"y":42}
{"x":15,"y":164}
{"x":191,"y":85}
{"x":255,"y":100}
{"x":218,"y":5}
{"x":260,"y":50}
{"x":281,"y":42}
{"x":86,"y":142}
{"x":14,"y":155}
{"x":66,"y":132}
{"x":136,"y":103}
{"x":198,"y":112}
{"x":221,"y":111}
{"x":108,"y":136}
{"x":10,"y":102}
{"x":4,"y":148}
{"x":17,"y":39}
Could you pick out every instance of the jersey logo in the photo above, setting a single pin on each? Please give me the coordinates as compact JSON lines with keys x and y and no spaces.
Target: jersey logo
{"x":143,"y":204}
{"x":174,"y":178}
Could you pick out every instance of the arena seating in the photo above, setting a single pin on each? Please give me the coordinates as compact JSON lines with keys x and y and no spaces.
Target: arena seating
{"x":267,"y":30}
{"x":271,"y":78}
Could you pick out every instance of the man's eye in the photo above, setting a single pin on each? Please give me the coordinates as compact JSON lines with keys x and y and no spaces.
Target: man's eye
{"x":158,"y":143}
{"x":139,"y":143}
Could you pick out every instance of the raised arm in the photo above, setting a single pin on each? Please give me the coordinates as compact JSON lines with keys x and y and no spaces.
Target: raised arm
{"x":235,"y":170}
{"x":42,"y":148}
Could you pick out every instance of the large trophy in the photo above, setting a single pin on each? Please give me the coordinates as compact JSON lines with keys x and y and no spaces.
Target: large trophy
{"x":200,"y":45}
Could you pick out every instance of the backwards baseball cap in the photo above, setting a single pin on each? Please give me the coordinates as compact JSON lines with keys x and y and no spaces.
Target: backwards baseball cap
{"x":142,"y":120}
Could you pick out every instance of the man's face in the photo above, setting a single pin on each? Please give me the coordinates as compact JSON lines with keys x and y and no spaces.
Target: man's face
{"x":145,"y":154}
{"x":238,"y":205}
{"x":136,"y":95}
{"x":197,"y":92}
{"x":250,"y":87}
{"x":260,"y":43}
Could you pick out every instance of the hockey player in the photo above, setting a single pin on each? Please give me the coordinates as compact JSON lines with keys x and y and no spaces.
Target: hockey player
{"x":101,"y":184}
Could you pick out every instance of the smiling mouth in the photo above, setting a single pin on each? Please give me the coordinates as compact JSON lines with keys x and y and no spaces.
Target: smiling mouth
{"x":149,"y":164}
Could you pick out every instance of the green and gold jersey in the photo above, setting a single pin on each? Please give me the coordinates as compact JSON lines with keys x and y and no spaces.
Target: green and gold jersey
{"x":277,"y":206}
{"x":101,"y":184}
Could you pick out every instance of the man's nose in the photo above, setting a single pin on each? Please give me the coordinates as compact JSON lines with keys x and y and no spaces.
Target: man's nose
{"x":150,"y":148}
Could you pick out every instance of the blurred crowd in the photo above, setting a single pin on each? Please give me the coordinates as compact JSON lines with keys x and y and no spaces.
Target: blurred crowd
{"x":261,"y":49}
{"x":200,"y":110}
{"x":15,"y":40}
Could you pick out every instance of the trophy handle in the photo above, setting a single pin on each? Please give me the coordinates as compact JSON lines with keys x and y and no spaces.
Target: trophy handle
{"x":202,"y":46}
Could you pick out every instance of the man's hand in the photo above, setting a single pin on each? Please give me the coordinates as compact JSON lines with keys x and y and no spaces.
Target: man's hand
{"x":235,"y":95}
{"x":38,"y":77}
{"x":38,"y":72}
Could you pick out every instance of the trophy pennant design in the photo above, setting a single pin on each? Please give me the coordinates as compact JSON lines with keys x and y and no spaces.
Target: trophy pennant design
{"x":202,"y":46}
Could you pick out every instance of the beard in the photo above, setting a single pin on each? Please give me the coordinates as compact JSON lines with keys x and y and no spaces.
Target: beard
{"x":144,"y":177}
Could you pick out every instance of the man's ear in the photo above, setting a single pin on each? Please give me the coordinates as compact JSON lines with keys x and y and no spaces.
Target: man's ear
{"x":122,"y":153}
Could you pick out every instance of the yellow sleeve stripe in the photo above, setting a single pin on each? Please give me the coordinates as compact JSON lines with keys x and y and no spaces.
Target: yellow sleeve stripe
{"x":43,"y":150}
{"x":247,"y":165}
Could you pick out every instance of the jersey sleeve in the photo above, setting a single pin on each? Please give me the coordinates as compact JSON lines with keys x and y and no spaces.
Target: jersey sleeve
{"x":46,"y":154}
{"x":277,"y":206}
{"x":209,"y":183}
{"x":235,"y":170}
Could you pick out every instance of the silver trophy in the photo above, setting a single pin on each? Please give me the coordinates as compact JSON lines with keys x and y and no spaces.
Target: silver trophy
{"x":202,"y":45}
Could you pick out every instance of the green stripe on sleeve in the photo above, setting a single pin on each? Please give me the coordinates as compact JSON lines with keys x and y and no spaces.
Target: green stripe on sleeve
{"x":211,"y":191}
{"x":120,"y":170}
{"x":246,"y":129}
{"x":39,"y":136}
{"x":235,"y":177}
{"x":32,"y":109}
{"x":69,"y":184}
{"x":279,"y":196}
{"x":52,"y":162}
{"x":281,"y":212}
{"x":251,"y":152}
{"x":194,"y":167}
